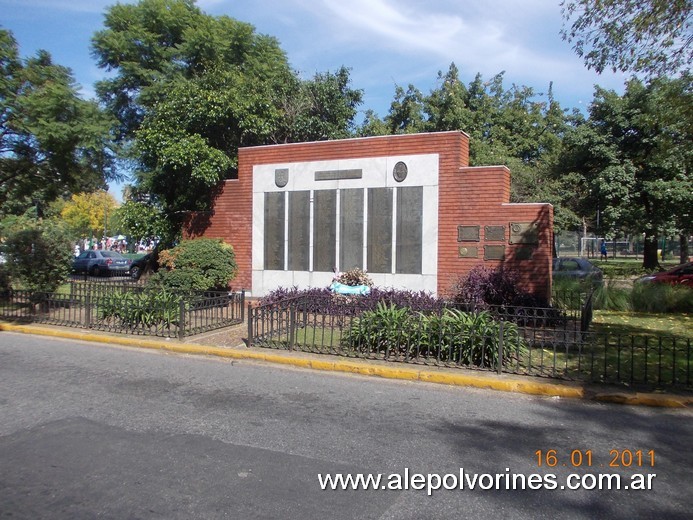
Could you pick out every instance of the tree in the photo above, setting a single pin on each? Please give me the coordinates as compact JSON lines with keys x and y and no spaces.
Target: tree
{"x":189,"y":89}
{"x":653,"y":37}
{"x":141,"y":220}
{"x":631,"y":161}
{"x":87,"y":214}
{"x":52,"y":143}
{"x":38,"y":253}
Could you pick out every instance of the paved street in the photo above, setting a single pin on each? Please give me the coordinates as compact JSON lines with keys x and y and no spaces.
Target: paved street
{"x":95,"y":431}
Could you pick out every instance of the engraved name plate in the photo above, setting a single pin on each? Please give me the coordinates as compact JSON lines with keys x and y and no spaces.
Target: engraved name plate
{"x":494,"y":252}
{"x":468,"y":233}
{"x":494,"y":233}
{"x":524,"y":233}
{"x":468,"y":252}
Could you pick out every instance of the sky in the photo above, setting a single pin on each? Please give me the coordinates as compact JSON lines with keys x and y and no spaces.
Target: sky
{"x":385,"y":43}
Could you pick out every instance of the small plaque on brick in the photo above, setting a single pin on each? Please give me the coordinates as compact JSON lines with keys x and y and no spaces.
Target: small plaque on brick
{"x":524,"y":233}
{"x":524,"y":252}
{"x":494,"y":252}
{"x":468,"y":233}
{"x":494,"y":233}
{"x":468,"y":251}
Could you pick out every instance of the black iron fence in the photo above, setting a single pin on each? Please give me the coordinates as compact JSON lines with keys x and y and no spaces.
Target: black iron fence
{"x":548,"y":342}
{"x":123,"y":307}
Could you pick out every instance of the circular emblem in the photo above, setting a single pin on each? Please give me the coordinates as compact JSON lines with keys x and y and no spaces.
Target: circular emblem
{"x":399,"y":172}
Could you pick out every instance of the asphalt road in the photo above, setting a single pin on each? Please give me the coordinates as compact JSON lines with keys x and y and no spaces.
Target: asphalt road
{"x":94,"y":431}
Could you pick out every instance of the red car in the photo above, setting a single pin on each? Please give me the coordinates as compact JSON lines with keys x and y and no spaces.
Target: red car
{"x":679,"y":275}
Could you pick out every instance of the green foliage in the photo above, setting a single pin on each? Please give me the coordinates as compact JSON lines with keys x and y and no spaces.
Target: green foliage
{"x":631,"y":161}
{"x":612,"y":296}
{"x":52,"y":142}
{"x":141,"y":220}
{"x":450,"y":336}
{"x":354,"y":277}
{"x":196,"y":265}
{"x":38,"y":254}
{"x":640,"y":36}
{"x":189,"y":89}
{"x":140,"y":309}
{"x":661,"y":298}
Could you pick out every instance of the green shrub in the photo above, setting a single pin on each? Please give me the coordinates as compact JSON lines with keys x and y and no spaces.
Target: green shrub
{"x":451,"y":336}
{"x":140,"y":309}
{"x":661,"y":298}
{"x":610,"y":297}
{"x":38,"y":255}
{"x":200,"y":264}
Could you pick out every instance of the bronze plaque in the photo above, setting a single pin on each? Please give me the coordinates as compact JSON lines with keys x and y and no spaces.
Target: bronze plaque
{"x":281,"y":177}
{"x":468,"y":233}
{"x":468,"y":251}
{"x":494,"y":233}
{"x":494,"y":252}
{"x":524,"y":252}
{"x":524,"y":233}
{"x":399,"y":172}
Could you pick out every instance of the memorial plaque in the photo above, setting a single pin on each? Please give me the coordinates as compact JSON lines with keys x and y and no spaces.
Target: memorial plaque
{"x":324,"y":230}
{"x":350,"y":229}
{"x":524,"y":233}
{"x":281,"y":177}
{"x":524,"y":252}
{"x":299,"y":231}
{"x":409,"y":230}
{"x":494,"y":233}
{"x":400,"y":171}
{"x":468,"y":251}
{"x":379,"y":238}
{"x":468,"y":233}
{"x":274,"y":231}
{"x":494,"y":252}
{"x":335,"y":175}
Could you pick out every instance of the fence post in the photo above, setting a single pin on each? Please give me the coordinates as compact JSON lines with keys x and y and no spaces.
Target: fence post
{"x":243,"y":305}
{"x":87,"y":311}
{"x":292,"y":325}
{"x":250,"y":324}
{"x":181,"y":321}
{"x":500,"y":347}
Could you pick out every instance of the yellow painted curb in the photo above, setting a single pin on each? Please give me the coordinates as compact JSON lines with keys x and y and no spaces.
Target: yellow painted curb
{"x":475,"y":380}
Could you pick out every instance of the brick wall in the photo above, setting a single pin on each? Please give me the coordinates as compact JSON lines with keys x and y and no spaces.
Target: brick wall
{"x":467,"y":196}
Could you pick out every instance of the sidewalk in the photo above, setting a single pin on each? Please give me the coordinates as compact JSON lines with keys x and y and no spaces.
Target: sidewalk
{"x":229,"y":344}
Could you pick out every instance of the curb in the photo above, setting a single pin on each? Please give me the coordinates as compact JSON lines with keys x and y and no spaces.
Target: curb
{"x":475,"y":380}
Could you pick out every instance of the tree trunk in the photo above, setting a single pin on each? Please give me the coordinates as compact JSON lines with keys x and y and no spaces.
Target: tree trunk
{"x":683,"y":243}
{"x":650,"y":259}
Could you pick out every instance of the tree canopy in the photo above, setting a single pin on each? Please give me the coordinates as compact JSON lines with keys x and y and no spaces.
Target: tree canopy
{"x":652,"y":37}
{"x":630,"y":162}
{"x":189,"y":89}
{"x":52,"y":143}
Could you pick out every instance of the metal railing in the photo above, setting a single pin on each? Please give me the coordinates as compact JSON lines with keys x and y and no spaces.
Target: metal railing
{"x":126,"y":308}
{"x":545,"y":342}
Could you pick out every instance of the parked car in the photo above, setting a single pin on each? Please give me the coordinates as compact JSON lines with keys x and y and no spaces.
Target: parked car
{"x":139,"y":265}
{"x":575,"y":268}
{"x":679,"y":275}
{"x":99,"y":262}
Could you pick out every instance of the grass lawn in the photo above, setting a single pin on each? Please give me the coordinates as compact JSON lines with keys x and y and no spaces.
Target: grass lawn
{"x":645,"y":324}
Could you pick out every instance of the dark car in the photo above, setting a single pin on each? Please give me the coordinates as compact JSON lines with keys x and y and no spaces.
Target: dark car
{"x":140,"y":265}
{"x":679,"y":275}
{"x":577,"y":269}
{"x":99,"y":262}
